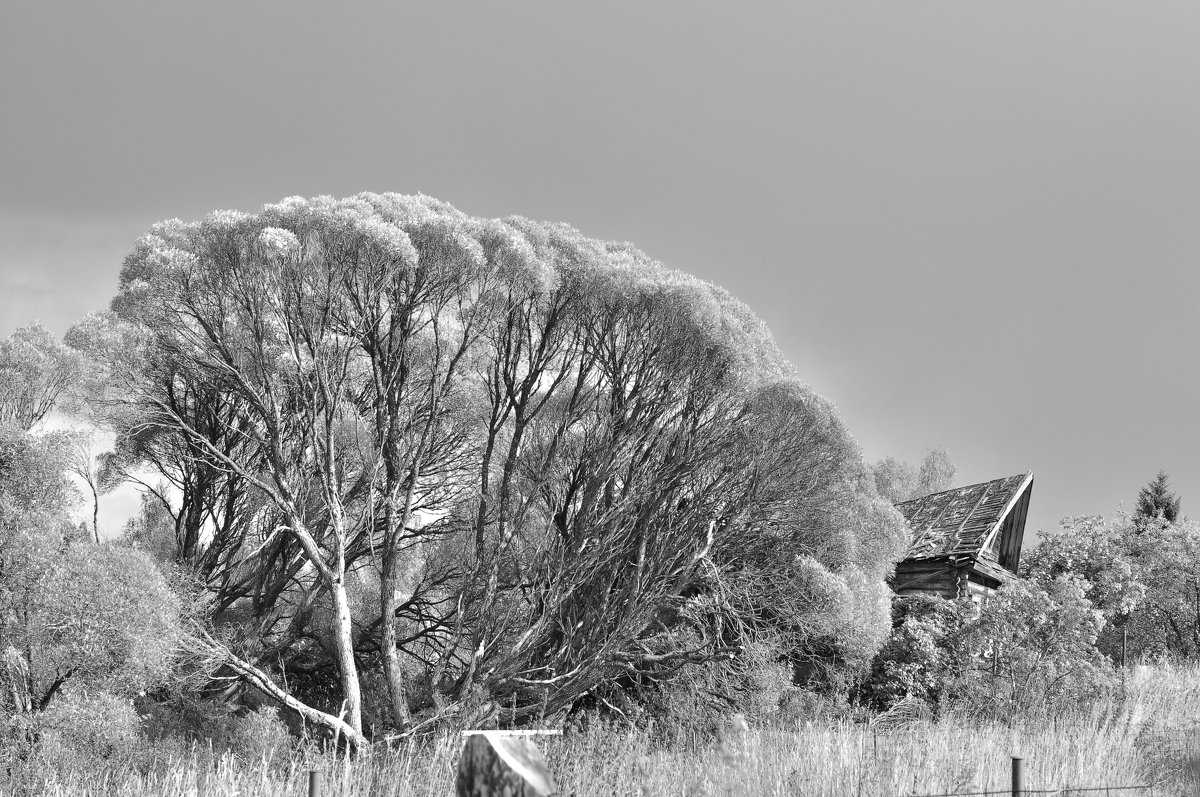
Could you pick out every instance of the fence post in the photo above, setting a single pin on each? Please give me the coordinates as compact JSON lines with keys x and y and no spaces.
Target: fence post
{"x":1018,"y":776}
{"x":314,"y":783}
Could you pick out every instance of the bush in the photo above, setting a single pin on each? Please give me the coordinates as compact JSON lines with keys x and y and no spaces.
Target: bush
{"x":107,"y":620}
{"x":1033,"y":653}
{"x":702,"y":698}
{"x":1029,"y":649}
{"x":97,"y":727}
{"x":925,"y":652}
{"x":259,"y":734}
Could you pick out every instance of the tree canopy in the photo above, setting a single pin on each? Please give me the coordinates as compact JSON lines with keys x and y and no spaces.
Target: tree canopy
{"x":35,"y":369}
{"x":512,"y":461}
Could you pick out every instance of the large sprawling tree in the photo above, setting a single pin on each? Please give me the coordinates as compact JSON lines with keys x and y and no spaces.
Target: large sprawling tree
{"x":514,"y":461}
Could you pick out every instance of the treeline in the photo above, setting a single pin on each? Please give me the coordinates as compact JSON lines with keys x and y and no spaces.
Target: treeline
{"x":405,"y":468}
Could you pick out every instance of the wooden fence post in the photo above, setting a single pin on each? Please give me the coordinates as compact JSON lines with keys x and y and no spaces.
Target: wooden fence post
{"x":314,"y":783}
{"x":497,"y":764}
{"x":1018,"y":776}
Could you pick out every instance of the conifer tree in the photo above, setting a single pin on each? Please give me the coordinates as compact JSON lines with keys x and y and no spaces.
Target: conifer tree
{"x":1155,"y":501}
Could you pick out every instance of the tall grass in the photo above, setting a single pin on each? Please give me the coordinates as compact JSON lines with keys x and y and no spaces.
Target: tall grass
{"x":1149,"y":736}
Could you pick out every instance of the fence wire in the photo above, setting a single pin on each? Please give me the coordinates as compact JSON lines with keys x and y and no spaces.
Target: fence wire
{"x":1066,"y":791}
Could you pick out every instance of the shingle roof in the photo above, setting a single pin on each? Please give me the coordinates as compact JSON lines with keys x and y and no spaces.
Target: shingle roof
{"x":959,"y":521}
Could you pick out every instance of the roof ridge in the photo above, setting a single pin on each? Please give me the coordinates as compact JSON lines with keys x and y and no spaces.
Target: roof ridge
{"x":963,"y":487}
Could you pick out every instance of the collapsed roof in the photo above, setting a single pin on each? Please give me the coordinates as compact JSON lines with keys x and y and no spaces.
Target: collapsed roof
{"x":979,"y":521}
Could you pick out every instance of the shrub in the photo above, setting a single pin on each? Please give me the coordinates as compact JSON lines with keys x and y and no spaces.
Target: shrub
{"x":257,"y":734}
{"x":96,"y":726}
{"x":701,"y":698}
{"x":260,"y":735}
{"x":924,"y":653}
{"x":1033,"y":653}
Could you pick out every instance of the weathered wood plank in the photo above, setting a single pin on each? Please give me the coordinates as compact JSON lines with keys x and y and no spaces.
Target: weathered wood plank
{"x":497,"y":765}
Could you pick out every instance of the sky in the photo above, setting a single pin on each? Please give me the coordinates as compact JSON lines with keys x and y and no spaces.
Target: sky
{"x":969,"y":225}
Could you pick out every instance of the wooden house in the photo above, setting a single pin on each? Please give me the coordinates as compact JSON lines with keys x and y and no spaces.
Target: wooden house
{"x":966,"y":541}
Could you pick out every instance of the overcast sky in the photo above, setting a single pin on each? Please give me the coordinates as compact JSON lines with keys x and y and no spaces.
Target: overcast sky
{"x":969,"y":225}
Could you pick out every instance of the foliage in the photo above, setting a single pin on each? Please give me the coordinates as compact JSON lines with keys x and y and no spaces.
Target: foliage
{"x":1166,"y":559}
{"x":91,"y":466}
{"x":32,"y":472}
{"x":899,"y":481}
{"x":926,"y":652}
{"x":1142,"y":574}
{"x":77,"y":614}
{"x":1095,"y":553}
{"x":152,"y":530}
{"x":35,"y":370}
{"x":895,"y":480}
{"x":1037,"y":652}
{"x":94,"y":726}
{"x":1029,"y":649}
{"x":936,"y":473}
{"x":107,"y":618}
{"x":33,"y":533}
{"x":1155,"y":500}
{"x":700,"y":699}
{"x":255,"y":734}
{"x":554,"y":460}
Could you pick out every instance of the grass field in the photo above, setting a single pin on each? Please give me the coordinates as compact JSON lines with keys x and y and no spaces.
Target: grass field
{"x":1151,"y":737}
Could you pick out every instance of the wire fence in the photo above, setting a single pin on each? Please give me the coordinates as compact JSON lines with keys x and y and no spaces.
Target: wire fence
{"x":1019,"y":789}
{"x":1066,"y":791}
{"x":1139,"y":730}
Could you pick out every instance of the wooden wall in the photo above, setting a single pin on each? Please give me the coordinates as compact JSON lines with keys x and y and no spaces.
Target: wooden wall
{"x":945,"y":578}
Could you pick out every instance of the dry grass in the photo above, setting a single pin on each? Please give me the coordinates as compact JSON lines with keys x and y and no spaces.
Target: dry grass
{"x":1151,"y":737}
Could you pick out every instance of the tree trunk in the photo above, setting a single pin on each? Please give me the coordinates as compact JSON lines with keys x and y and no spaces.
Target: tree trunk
{"x":262,"y":681}
{"x":344,"y":638}
{"x":389,"y":582}
{"x":391,"y":656}
{"x":95,"y":513}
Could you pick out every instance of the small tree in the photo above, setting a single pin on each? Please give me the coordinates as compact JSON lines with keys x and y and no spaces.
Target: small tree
{"x":95,"y":615}
{"x":1037,"y":651}
{"x":1156,"y":501}
{"x":936,"y":473}
{"x":899,"y":481}
{"x":1166,"y":558}
{"x":1095,"y":552}
{"x":895,"y":480}
{"x":92,"y":469}
{"x":35,"y":370}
